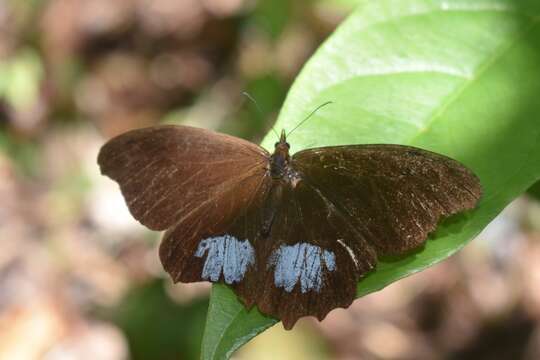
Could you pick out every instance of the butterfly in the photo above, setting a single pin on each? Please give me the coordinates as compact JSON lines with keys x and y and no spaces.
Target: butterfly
{"x":291,"y":234}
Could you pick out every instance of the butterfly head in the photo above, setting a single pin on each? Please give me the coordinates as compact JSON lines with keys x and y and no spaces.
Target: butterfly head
{"x":282,"y":141}
{"x":280,"y":158}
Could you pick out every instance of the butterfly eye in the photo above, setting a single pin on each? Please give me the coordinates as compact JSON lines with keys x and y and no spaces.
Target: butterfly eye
{"x":288,"y":146}
{"x":276,"y":144}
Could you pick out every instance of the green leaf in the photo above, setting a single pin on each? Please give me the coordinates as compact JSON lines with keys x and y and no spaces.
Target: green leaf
{"x":534,"y":191}
{"x":223,"y":335}
{"x":456,"y":77}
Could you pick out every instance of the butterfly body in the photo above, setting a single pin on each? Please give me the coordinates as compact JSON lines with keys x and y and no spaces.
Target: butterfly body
{"x":291,"y":234}
{"x":280,"y":160}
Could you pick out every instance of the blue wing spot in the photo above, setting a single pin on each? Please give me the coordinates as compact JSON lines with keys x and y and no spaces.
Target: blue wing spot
{"x":302,"y":263}
{"x":329,"y":260}
{"x":225,"y":254}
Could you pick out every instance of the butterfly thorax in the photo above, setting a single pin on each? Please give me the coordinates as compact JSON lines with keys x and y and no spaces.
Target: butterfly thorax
{"x":280,"y":166}
{"x":279,"y":161}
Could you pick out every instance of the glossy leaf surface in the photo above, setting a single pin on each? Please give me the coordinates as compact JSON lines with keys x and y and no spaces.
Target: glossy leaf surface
{"x":455,"y":77}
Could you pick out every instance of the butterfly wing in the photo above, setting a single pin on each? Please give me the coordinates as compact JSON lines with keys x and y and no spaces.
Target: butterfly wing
{"x":393,"y":195}
{"x":293,"y":249}
{"x":304,"y":266}
{"x":195,"y":183}
{"x":167,"y":173}
{"x":205,"y":245}
{"x":352,"y":205}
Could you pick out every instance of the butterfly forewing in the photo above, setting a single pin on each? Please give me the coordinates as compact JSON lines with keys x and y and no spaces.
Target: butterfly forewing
{"x":393,"y":195}
{"x":168,"y":172}
{"x":216,"y":243}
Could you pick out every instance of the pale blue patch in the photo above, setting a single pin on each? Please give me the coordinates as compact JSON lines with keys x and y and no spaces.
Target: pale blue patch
{"x":227,"y":255}
{"x":302,"y":263}
{"x":329,"y":260}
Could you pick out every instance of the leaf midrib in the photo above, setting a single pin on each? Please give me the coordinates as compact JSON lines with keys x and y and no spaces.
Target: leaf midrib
{"x":220,"y":338}
{"x":225,"y":332}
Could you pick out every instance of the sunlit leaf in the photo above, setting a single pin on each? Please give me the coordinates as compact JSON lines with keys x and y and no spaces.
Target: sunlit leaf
{"x":456,"y":77}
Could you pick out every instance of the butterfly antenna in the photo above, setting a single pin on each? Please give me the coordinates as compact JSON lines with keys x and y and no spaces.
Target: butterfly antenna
{"x":258,"y":109}
{"x":310,"y":115}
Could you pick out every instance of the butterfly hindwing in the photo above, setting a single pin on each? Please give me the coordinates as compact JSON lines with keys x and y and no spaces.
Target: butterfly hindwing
{"x":310,"y":261}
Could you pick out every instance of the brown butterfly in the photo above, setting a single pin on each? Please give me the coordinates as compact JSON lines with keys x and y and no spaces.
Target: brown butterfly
{"x":290,"y":234}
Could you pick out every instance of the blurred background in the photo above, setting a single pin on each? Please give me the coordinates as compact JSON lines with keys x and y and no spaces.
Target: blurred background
{"x":80,"y":279}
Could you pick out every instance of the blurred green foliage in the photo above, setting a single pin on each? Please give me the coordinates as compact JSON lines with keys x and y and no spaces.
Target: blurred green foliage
{"x":23,"y":152}
{"x":269,"y":92}
{"x":20,"y":78}
{"x":273,"y":16}
{"x":157,"y":327}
